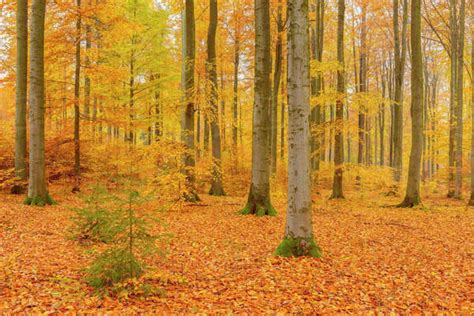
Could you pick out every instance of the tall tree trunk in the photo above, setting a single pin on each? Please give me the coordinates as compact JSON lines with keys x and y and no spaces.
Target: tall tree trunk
{"x":362,"y":154}
{"x":400,"y":57}
{"x":282,"y":124}
{"x":460,"y":100}
{"x":298,"y":240}
{"x":37,"y":190}
{"x":412,"y":197}
{"x":453,"y":98}
{"x":216,"y":182}
{"x":21,"y":90}
{"x":235,"y":102}
{"x":339,"y":123}
{"x":187,"y":118}
{"x":259,"y":196}
{"x":317,"y":35}
{"x":77,"y":113}
{"x":471,"y":201}
{"x":276,"y":86}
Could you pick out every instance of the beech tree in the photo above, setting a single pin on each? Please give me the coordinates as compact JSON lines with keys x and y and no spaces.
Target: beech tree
{"x":187,"y":118}
{"x":258,"y":201}
{"x":412,"y":197}
{"x":216,"y":182}
{"x":37,"y":190}
{"x":400,"y":51}
{"x":471,"y":200}
{"x":77,"y":111}
{"x":21,"y":91}
{"x":338,"y":137}
{"x":298,"y":240}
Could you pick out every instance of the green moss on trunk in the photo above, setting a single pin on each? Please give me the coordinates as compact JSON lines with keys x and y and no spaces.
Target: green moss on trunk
{"x":298,"y":247}
{"x":39,"y":200}
{"x":259,"y":209}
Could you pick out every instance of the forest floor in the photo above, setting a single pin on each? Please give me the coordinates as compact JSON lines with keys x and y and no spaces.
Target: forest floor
{"x":375,"y":258}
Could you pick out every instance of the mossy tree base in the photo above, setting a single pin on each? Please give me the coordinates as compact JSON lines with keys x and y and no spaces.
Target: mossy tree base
{"x":471,"y":201}
{"x":259,"y":209}
{"x":258,"y":204}
{"x":410,"y":202}
{"x":191,"y":197}
{"x":298,"y":247}
{"x":40,"y":200}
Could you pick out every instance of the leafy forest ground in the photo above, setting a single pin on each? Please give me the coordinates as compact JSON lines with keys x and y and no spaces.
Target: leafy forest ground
{"x":375,"y":258}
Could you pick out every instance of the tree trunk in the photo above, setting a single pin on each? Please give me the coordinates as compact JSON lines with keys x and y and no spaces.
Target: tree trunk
{"x":460,"y":101}
{"x":453,"y":99}
{"x":21,"y":91}
{"x":298,"y":240}
{"x":259,"y":196}
{"x":412,"y":197}
{"x":187,"y":119}
{"x":317,"y":35}
{"x":37,"y":190}
{"x":399,"y":56}
{"x":216,"y":182}
{"x":235,"y":101}
{"x":471,"y":201}
{"x":276,"y":87}
{"x":362,"y":154}
{"x":77,"y":113}
{"x":339,"y":124}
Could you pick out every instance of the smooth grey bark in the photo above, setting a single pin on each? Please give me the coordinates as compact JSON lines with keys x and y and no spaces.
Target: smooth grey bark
{"x":298,"y":240}
{"x":77,"y":113}
{"x":337,"y":192}
{"x":37,"y":190}
{"x":412,"y":197}
{"x":276,"y":87}
{"x":21,"y":91}
{"x":400,"y":51}
{"x":187,"y":118}
{"x":259,"y":202}
{"x":211,"y":67}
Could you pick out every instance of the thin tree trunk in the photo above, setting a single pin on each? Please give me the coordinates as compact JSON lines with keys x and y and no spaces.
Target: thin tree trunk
{"x":235,"y":101}
{"x":21,"y":92}
{"x":471,"y":200}
{"x":37,"y":190}
{"x":259,"y":196}
{"x":400,"y":57}
{"x":339,"y":124}
{"x":317,"y":35}
{"x":362,"y":157}
{"x":460,"y":101}
{"x":216,"y":182}
{"x":187,"y":119}
{"x":77,"y":113}
{"x":412,"y":197}
{"x":276,"y":87}
{"x":298,"y":240}
{"x":453,"y":98}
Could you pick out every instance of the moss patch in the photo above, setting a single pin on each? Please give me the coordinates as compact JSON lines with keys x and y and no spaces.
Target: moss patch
{"x":298,"y":247}
{"x":40,"y":200}
{"x":259,"y":209}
